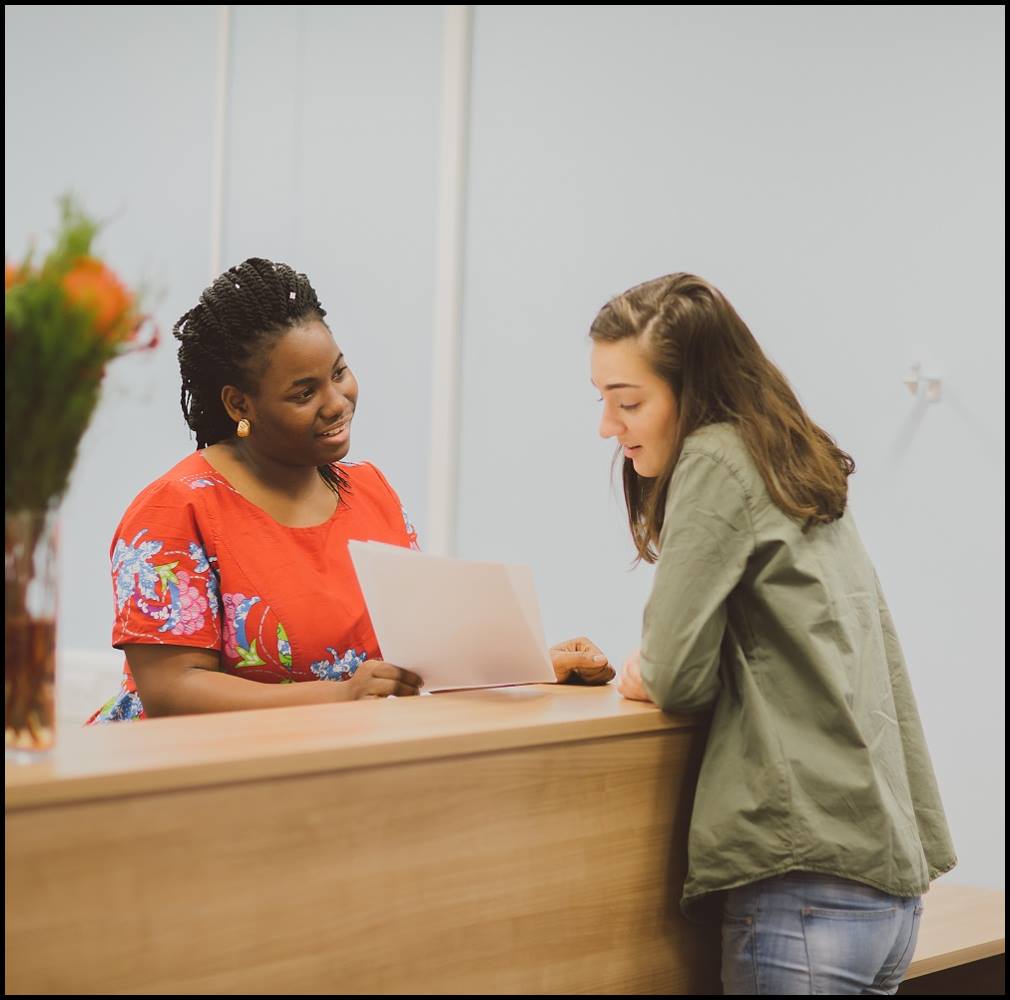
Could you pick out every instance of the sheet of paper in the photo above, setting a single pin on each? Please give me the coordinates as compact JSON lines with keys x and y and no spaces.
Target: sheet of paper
{"x":455,"y":623}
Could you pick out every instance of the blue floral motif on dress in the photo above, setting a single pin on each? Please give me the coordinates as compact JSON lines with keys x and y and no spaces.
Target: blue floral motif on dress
{"x":204,"y":565}
{"x":340,"y":668}
{"x":411,"y":530}
{"x":131,"y":562}
{"x":125,"y":706}
{"x":199,"y":557}
{"x":283,"y":646}
{"x":236,"y":643}
{"x":170,"y":582}
{"x":136,"y":576}
{"x":196,"y":481}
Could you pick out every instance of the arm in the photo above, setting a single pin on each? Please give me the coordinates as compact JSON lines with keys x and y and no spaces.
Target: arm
{"x":706,"y":540}
{"x":184,"y":680}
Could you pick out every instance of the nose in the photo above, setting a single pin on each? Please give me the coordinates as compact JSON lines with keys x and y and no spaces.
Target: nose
{"x":335,"y":403}
{"x":609,"y":426}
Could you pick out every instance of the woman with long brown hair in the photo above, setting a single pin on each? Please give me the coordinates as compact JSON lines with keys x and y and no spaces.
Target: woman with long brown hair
{"x":817,"y":823}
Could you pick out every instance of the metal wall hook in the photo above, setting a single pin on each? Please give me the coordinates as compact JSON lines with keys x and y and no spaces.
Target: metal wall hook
{"x":931,"y":381}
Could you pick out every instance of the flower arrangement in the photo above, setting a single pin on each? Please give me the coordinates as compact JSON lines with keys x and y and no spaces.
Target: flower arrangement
{"x":65,"y":318}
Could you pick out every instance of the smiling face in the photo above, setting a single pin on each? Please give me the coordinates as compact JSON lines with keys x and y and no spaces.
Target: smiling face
{"x":302,"y":409}
{"x":639,"y":408}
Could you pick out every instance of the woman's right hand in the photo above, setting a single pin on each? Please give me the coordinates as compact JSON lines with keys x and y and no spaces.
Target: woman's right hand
{"x":378,"y":679}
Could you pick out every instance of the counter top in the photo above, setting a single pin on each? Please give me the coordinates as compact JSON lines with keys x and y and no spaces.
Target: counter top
{"x":116,"y":759}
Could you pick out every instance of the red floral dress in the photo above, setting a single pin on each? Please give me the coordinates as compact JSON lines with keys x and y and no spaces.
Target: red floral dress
{"x":196,"y":564}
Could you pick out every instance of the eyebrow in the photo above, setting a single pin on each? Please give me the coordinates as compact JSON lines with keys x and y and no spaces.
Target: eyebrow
{"x":308,"y":379}
{"x":617,"y":385}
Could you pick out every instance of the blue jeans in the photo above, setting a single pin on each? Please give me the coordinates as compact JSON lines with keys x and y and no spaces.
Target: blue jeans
{"x":807,"y":933}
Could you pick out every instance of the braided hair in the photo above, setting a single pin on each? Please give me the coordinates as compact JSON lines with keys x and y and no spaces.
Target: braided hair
{"x":223,"y":340}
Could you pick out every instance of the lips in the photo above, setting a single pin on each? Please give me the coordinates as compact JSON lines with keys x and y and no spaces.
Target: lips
{"x":336,"y":429}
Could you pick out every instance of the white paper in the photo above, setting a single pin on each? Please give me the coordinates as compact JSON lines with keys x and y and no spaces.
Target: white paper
{"x":457,"y":624}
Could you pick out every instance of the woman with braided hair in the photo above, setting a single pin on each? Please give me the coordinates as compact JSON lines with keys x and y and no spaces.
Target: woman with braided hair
{"x":233,"y":583}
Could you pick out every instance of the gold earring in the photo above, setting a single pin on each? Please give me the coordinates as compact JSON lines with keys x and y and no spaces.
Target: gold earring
{"x":243,"y":428}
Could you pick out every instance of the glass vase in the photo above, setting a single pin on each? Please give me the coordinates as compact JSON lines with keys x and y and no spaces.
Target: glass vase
{"x":30,"y":605}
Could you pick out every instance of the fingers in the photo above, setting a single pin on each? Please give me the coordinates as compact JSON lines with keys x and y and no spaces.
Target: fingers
{"x":589,"y":668}
{"x":380,"y":668}
{"x":578,"y":645}
{"x":383,"y":687}
{"x":572,"y":659}
{"x":596,"y":675}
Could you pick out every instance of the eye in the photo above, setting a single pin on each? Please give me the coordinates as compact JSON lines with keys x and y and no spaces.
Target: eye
{"x":305,"y":394}
{"x":338,"y":375}
{"x":632,"y":406}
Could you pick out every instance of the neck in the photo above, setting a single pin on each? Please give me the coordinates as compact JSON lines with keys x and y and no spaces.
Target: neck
{"x":294,"y":481}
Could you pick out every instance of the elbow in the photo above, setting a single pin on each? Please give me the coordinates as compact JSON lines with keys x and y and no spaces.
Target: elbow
{"x":681,"y":688}
{"x":692,"y":705}
{"x":157,"y":699}
{"x":154,"y":707}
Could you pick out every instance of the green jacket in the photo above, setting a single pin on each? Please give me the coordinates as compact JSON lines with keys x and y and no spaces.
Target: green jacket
{"x":815,"y":758}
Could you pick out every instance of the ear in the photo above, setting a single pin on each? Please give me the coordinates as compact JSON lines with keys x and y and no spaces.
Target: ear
{"x":235,"y":402}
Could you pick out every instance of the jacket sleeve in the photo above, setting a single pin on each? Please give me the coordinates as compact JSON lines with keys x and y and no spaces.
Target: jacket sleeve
{"x":705,"y":543}
{"x":934,"y":833}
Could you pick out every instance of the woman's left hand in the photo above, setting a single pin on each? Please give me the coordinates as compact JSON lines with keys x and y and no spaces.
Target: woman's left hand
{"x":630,"y":683}
{"x":581,"y":659}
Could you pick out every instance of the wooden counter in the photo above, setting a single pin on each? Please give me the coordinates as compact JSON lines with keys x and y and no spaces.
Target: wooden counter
{"x":513,"y":840}
{"x":524,"y":840}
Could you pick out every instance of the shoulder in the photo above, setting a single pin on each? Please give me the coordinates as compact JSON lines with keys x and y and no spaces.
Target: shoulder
{"x":718,"y":452}
{"x":379,"y":491}
{"x":721,"y":441}
{"x":180,"y":494}
{"x":188,"y":475}
{"x":367,"y":476}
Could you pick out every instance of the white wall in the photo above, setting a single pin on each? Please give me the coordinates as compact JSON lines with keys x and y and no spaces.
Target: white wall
{"x":329,"y":164}
{"x":837,"y":171}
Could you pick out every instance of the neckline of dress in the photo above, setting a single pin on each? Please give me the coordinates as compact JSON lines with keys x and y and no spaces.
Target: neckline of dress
{"x":256,"y":507}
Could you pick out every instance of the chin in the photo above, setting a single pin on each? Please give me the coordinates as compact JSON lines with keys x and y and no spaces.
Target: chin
{"x":327,"y":456}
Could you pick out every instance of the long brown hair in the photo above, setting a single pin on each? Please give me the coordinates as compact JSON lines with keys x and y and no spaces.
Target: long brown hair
{"x":694,"y":339}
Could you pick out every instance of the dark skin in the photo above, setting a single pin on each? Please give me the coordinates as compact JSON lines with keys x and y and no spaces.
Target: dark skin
{"x":305,"y":391}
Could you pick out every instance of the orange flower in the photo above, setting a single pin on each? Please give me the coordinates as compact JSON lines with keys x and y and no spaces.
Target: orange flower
{"x":13,"y":274}
{"x":92,"y":285}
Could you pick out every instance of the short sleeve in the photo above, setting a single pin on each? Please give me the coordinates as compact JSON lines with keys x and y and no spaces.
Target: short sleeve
{"x":164,"y":575}
{"x":408,"y":526}
{"x":705,"y":543}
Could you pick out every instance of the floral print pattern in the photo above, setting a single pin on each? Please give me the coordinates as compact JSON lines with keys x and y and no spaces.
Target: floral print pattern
{"x":337,"y":667}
